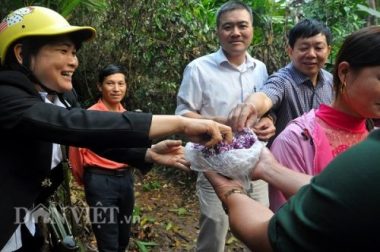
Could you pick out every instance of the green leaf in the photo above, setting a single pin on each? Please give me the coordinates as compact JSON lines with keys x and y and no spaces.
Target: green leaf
{"x":68,"y":6}
{"x":169,"y":226}
{"x":231,"y":240}
{"x":96,"y":4}
{"x":142,"y":245}
{"x":153,"y":185}
{"x":180,"y":211}
{"x":370,"y":11}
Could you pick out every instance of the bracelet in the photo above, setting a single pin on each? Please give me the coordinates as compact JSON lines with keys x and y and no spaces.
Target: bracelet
{"x":234,"y":190}
{"x":228,"y":193}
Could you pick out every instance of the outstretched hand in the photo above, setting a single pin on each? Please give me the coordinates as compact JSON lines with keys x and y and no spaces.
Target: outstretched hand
{"x":169,"y":153}
{"x":244,"y":115}
{"x":206,"y":132}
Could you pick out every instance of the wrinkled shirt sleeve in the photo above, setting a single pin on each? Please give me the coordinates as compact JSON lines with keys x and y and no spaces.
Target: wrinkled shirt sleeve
{"x":189,"y":96}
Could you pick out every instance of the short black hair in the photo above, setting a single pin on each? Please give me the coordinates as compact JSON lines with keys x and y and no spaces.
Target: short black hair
{"x":307,"y":28}
{"x":231,"y":6}
{"x":109,"y":70}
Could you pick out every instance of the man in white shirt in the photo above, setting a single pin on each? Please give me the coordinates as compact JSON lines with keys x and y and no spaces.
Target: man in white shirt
{"x":211,"y":87}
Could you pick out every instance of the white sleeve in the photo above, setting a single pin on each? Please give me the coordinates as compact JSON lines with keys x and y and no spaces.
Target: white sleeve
{"x":189,"y":97}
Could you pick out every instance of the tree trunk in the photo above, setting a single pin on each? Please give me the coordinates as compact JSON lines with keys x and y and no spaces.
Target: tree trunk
{"x":372,"y":20}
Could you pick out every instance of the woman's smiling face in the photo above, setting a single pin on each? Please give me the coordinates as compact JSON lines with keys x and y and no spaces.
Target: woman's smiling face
{"x":55,"y":63}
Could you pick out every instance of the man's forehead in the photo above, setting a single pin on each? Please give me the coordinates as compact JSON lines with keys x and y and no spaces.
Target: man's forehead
{"x":316,"y":39}
{"x":235,"y":22}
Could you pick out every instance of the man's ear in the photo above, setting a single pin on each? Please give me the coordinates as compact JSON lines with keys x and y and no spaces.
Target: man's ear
{"x":99,"y":86}
{"x":329,"y":49}
{"x":289,"y":50}
{"x":17,"y":49}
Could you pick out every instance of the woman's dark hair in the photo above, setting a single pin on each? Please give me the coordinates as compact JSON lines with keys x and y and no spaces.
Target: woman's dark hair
{"x":307,"y":28}
{"x":31,"y":46}
{"x":360,"y":49}
{"x":110,"y":69}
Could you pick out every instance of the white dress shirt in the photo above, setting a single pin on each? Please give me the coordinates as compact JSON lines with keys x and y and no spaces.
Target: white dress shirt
{"x":211,"y":86}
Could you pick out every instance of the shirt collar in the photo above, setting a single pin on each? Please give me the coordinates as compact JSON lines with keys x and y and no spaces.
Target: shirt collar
{"x":221,"y":58}
{"x":56,"y":100}
{"x":103,"y":107}
{"x":301,"y":78}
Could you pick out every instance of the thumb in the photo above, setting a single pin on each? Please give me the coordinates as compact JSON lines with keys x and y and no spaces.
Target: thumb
{"x":251,"y":121}
{"x":173,"y":143}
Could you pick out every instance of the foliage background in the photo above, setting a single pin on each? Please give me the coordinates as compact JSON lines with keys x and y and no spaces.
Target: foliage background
{"x":155,"y":40}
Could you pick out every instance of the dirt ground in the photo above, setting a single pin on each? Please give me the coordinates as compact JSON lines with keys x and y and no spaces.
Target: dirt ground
{"x":175,"y":211}
{"x":166,"y":214}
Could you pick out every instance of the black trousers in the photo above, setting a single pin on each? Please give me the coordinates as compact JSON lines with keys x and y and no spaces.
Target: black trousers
{"x":111,"y":200}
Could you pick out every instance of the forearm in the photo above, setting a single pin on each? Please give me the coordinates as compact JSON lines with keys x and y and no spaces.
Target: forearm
{"x":249,"y":223}
{"x":218,"y":119}
{"x":261,"y":102}
{"x":201,"y":131}
{"x":165,"y":125}
{"x":284,"y":179}
{"x":191,"y":114}
{"x":84,"y":128}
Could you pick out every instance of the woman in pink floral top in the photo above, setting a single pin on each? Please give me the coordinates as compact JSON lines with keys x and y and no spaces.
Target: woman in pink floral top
{"x":312,"y":140}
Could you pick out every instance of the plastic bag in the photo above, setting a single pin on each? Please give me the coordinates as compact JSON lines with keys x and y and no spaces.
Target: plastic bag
{"x":233,"y":160}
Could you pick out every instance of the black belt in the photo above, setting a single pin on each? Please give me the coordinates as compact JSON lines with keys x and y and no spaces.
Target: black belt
{"x":111,"y":172}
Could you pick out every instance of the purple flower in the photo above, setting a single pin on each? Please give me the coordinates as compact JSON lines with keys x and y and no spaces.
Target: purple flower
{"x":242,"y":140}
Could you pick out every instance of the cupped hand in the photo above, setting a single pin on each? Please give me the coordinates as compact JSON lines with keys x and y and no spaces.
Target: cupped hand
{"x":170,"y":153}
{"x":266,"y":161}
